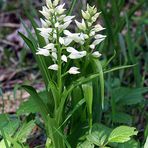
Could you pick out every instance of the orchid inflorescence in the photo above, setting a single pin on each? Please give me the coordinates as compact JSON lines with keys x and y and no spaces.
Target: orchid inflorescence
{"x":60,"y":41}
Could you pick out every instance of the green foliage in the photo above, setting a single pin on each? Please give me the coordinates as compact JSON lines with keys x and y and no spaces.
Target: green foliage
{"x":122,"y":134}
{"x":86,"y":111}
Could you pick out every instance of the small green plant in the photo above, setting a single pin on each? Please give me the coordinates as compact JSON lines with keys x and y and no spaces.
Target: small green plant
{"x":72,"y":104}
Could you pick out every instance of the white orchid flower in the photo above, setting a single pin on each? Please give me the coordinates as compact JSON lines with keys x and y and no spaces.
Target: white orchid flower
{"x":98,"y":41}
{"x":92,"y":46}
{"x":42,"y":51}
{"x":59,"y":9}
{"x":100,"y":36}
{"x":73,"y":36}
{"x":45,"y":12}
{"x":96,"y":54}
{"x":85,"y":15}
{"x":65,"y":25}
{"x":98,"y":28}
{"x":74,"y":54}
{"x":49,"y":3}
{"x":49,"y":46}
{"x":44,"y":32}
{"x":64,"y":58}
{"x":73,"y":70}
{"x":67,"y":41}
{"x":53,"y":67}
{"x":54,"y":56}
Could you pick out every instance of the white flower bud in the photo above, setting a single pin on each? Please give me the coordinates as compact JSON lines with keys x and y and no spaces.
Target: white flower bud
{"x":92,"y":46}
{"x":55,"y":2}
{"x":64,"y":58}
{"x":81,"y":26}
{"x":45,"y":12}
{"x":54,"y":55}
{"x":96,"y":54}
{"x":49,"y":46}
{"x":53,"y":67}
{"x":98,"y":41}
{"x":44,"y":23}
{"x":98,"y":28}
{"x":85,"y":15}
{"x":71,"y":49}
{"x":95,"y":17}
{"x":57,"y":25}
{"x":92,"y":33}
{"x":100,"y":36}
{"x":42,"y":51}
{"x":61,"y":40}
{"x":49,"y":3}
{"x":73,"y":70}
{"x":77,"y":55}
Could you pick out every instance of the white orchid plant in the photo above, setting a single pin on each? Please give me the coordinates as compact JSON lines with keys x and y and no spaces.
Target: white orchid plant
{"x":61,"y":42}
{"x":72,"y":71}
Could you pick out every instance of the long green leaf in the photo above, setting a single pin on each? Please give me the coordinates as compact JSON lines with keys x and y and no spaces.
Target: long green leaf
{"x":88,"y":96}
{"x":40,"y":60}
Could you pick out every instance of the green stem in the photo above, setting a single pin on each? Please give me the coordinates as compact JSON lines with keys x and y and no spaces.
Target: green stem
{"x":59,"y":65}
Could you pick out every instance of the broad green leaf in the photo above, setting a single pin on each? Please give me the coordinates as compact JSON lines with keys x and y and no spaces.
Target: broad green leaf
{"x":27,"y":107}
{"x":85,"y":144}
{"x":24,"y":131}
{"x":30,"y":106}
{"x":122,"y":134}
{"x":130,"y":144}
{"x":39,"y":102}
{"x":120,"y":117}
{"x":129,"y":96}
{"x":99,"y":134}
{"x":8,"y":124}
{"x":88,"y":96}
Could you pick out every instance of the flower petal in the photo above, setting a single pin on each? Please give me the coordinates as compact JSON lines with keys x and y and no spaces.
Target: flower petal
{"x":53,"y":67}
{"x":73,"y":70}
{"x":42,"y":51}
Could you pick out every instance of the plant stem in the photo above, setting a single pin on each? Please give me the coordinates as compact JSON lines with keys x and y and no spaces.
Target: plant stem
{"x":59,"y":66}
